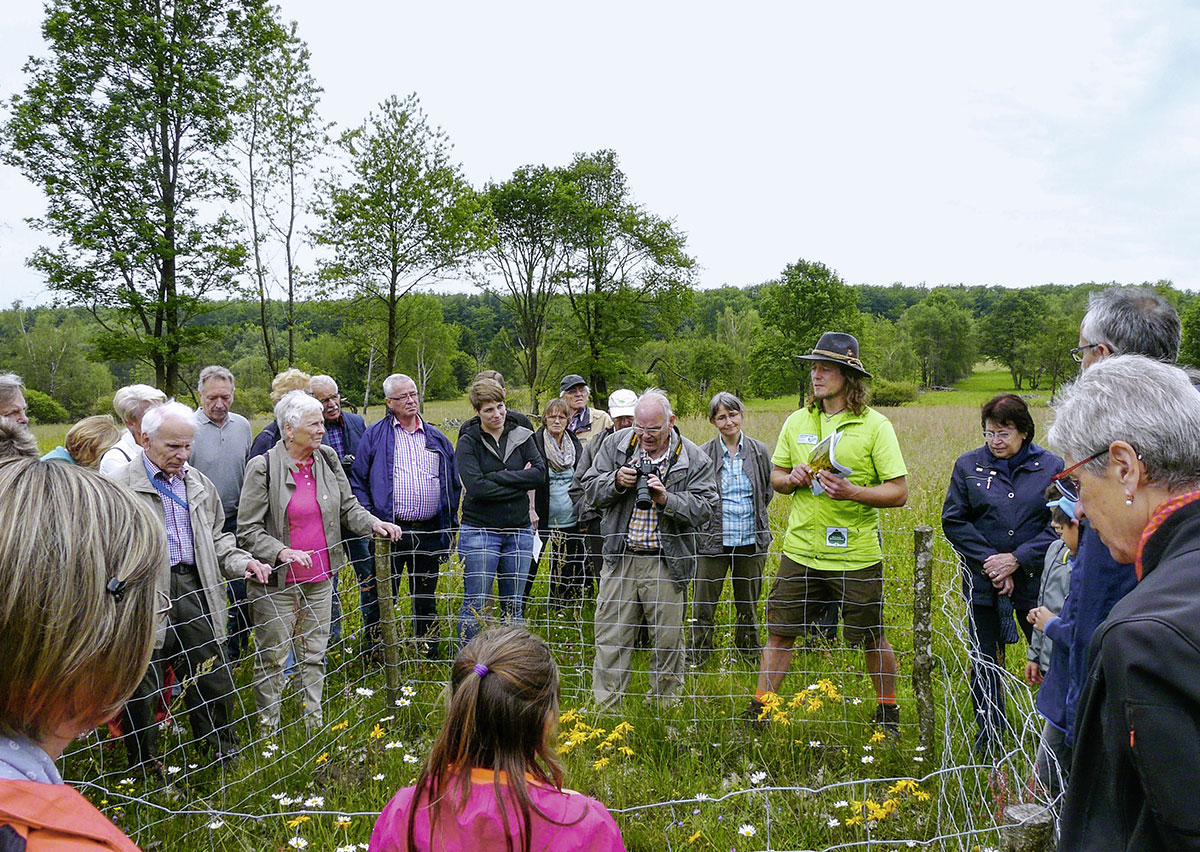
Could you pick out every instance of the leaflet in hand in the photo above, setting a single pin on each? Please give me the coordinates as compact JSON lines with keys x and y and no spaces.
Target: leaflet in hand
{"x":824,"y":457}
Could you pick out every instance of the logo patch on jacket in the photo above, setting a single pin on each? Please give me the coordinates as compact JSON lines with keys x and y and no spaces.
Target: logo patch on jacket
{"x":837,"y":537}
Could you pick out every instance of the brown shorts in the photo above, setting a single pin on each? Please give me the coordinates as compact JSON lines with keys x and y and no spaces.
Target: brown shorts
{"x":800,"y":593}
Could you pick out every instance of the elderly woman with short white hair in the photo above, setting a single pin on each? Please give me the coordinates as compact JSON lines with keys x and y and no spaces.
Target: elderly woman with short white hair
{"x":1129,"y":429}
{"x":294,"y":503}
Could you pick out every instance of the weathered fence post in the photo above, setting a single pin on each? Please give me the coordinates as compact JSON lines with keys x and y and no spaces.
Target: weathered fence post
{"x":922,"y":674}
{"x":387,"y":618}
{"x":1027,"y":828}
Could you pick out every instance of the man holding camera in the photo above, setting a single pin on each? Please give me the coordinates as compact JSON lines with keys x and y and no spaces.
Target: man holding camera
{"x":654,"y":489}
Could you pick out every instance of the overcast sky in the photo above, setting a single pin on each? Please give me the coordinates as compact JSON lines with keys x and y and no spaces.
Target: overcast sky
{"x":934,"y":143}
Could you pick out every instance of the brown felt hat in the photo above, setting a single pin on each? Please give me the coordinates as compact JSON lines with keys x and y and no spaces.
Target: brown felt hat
{"x":838,"y":347}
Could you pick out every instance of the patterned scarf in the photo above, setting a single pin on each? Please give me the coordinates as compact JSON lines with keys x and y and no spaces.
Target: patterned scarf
{"x":560,"y":456}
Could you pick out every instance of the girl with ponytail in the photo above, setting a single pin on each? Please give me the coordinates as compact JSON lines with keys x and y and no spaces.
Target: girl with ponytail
{"x":492,"y":780}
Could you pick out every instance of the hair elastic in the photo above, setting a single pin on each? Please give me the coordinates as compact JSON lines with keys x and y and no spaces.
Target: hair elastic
{"x":481,"y":669}
{"x":115,"y":587}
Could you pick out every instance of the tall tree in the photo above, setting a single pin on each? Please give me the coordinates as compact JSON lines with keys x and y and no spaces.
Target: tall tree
{"x":280,"y":137}
{"x":627,"y":269}
{"x":401,"y":217}
{"x":808,"y":299}
{"x":525,"y":229}
{"x":1009,"y":331}
{"x":942,"y":336}
{"x":125,"y":126}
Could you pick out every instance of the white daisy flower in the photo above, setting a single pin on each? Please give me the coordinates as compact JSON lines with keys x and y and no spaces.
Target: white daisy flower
{"x":403,"y":702}
{"x":393,"y":744}
{"x":216,"y":823}
{"x":757,"y":777}
{"x":747,"y":830}
{"x":841,"y":804}
{"x":365,"y":692}
{"x":866,"y":758}
{"x":174,"y":770}
{"x":298,"y":842}
{"x":408,"y":690}
{"x":378,"y":777}
{"x":314,"y":802}
{"x":702,"y":797}
{"x":386,"y":718}
{"x":411,"y":758}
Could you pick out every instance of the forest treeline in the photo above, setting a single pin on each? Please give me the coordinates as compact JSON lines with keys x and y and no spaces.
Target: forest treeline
{"x":741,"y":339}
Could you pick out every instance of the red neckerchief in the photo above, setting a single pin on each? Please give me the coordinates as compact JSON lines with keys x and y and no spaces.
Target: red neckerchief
{"x":1159,"y":517}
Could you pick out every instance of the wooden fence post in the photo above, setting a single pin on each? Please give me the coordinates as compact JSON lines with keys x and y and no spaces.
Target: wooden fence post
{"x":922,"y":674}
{"x":387,"y":618}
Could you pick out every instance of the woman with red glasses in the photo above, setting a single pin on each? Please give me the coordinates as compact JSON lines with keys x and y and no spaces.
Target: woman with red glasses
{"x":995,"y":517}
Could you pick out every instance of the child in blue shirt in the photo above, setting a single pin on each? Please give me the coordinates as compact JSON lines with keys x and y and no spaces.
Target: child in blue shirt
{"x":1051,"y":644}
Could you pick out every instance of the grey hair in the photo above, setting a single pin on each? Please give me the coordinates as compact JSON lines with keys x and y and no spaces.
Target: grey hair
{"x":130,"y":402}
{"x":389,"y":384}
{"x":1133,"y":321}
{"x":322,"y":379}
{"x":725,"y":400}
{"x":660,"y":395}
{"x":156,"y":416}
{"x":10,"y":385}
{"x":16,"y":440}
{"x":1147,"y":404}
{"x":294,"y":405}
{"x":214,"y":372}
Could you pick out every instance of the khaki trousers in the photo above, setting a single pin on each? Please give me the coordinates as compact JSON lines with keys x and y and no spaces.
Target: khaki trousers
{"x":633,"y":587}
{"x":296,"y":614}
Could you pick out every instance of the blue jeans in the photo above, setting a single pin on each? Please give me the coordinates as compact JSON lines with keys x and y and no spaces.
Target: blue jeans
{"x":492,"y":556}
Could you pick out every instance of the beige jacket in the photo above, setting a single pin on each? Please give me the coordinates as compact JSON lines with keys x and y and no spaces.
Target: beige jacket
{"x":217,"y":553}
{"x":262,"y":512}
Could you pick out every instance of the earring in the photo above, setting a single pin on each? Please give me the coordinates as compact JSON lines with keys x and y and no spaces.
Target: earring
{"x":1128,"y":499}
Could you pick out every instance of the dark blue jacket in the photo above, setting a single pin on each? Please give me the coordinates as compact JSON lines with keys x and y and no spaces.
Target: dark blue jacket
{"x":1052,"y":694}
{"x":1097,"y":583}
{"x":987,"y":512}
{"x":265,"y":439}
{"x":353,"y":427}
{"x":371,"y":475}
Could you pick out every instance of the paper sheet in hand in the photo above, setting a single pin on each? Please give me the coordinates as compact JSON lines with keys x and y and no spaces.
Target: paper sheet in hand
{"x":824,"y":457}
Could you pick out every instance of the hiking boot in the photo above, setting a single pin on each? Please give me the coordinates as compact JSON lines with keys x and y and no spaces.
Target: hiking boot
{"x":753,"y":714}
{"x":887,"y":716}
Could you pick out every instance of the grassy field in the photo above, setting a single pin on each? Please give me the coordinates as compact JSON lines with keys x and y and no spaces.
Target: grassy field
{"x":689,"y":776}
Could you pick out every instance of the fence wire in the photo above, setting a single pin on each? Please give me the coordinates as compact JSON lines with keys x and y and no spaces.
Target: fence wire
{"x":676,"y":769}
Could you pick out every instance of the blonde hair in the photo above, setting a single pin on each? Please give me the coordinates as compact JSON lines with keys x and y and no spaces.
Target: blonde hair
{"x":79,"y":558}
{"x":289,"y":380}
{"x":131,"y":402}
{"x":90,"y":438}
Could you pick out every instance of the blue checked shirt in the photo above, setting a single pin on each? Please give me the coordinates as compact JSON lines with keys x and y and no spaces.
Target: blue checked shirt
{"x":336,"y":433}
{"x":178,"y":521}
{"x":737,"y":501}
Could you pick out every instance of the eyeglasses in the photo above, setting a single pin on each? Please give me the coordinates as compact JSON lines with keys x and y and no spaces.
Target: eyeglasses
{"x":988,"y":434}
{"x":403,"y":396}
{"x":1068,"y":487}
{"x":1077,"y":352}
{"x":326,"y":399}
{"x":649,"y":431}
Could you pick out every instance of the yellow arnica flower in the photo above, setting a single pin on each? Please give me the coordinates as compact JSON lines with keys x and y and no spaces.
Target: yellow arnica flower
{"x":324,"y":756}
{"x":300,"y":820}
{"x":601,"y":763}
{"x":694,"y":837}
{"x":377,"y":733}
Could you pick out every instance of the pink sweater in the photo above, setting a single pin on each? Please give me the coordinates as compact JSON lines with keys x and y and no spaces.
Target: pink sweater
{"x":477,"y":827}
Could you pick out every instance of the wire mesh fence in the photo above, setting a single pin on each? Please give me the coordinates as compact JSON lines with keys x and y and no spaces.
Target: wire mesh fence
{"x":679,"y":771}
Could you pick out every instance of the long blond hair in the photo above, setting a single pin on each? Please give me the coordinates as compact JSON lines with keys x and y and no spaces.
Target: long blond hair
{"x":79,"y":558}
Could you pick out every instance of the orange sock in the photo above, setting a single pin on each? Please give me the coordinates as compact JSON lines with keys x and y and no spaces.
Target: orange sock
{"x":758,"y":695}
{"x":888,"y":699}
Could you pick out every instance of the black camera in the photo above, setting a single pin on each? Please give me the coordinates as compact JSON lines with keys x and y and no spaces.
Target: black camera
{"x":347,"y":462}
{"x":645,"y":468}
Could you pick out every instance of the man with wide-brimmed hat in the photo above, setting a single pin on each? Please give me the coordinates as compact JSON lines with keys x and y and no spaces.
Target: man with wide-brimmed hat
{"x":831,"y":551}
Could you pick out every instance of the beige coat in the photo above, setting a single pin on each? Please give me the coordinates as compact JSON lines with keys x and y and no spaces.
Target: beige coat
{"x":262,"y":517}
{"x":217,"y":553}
